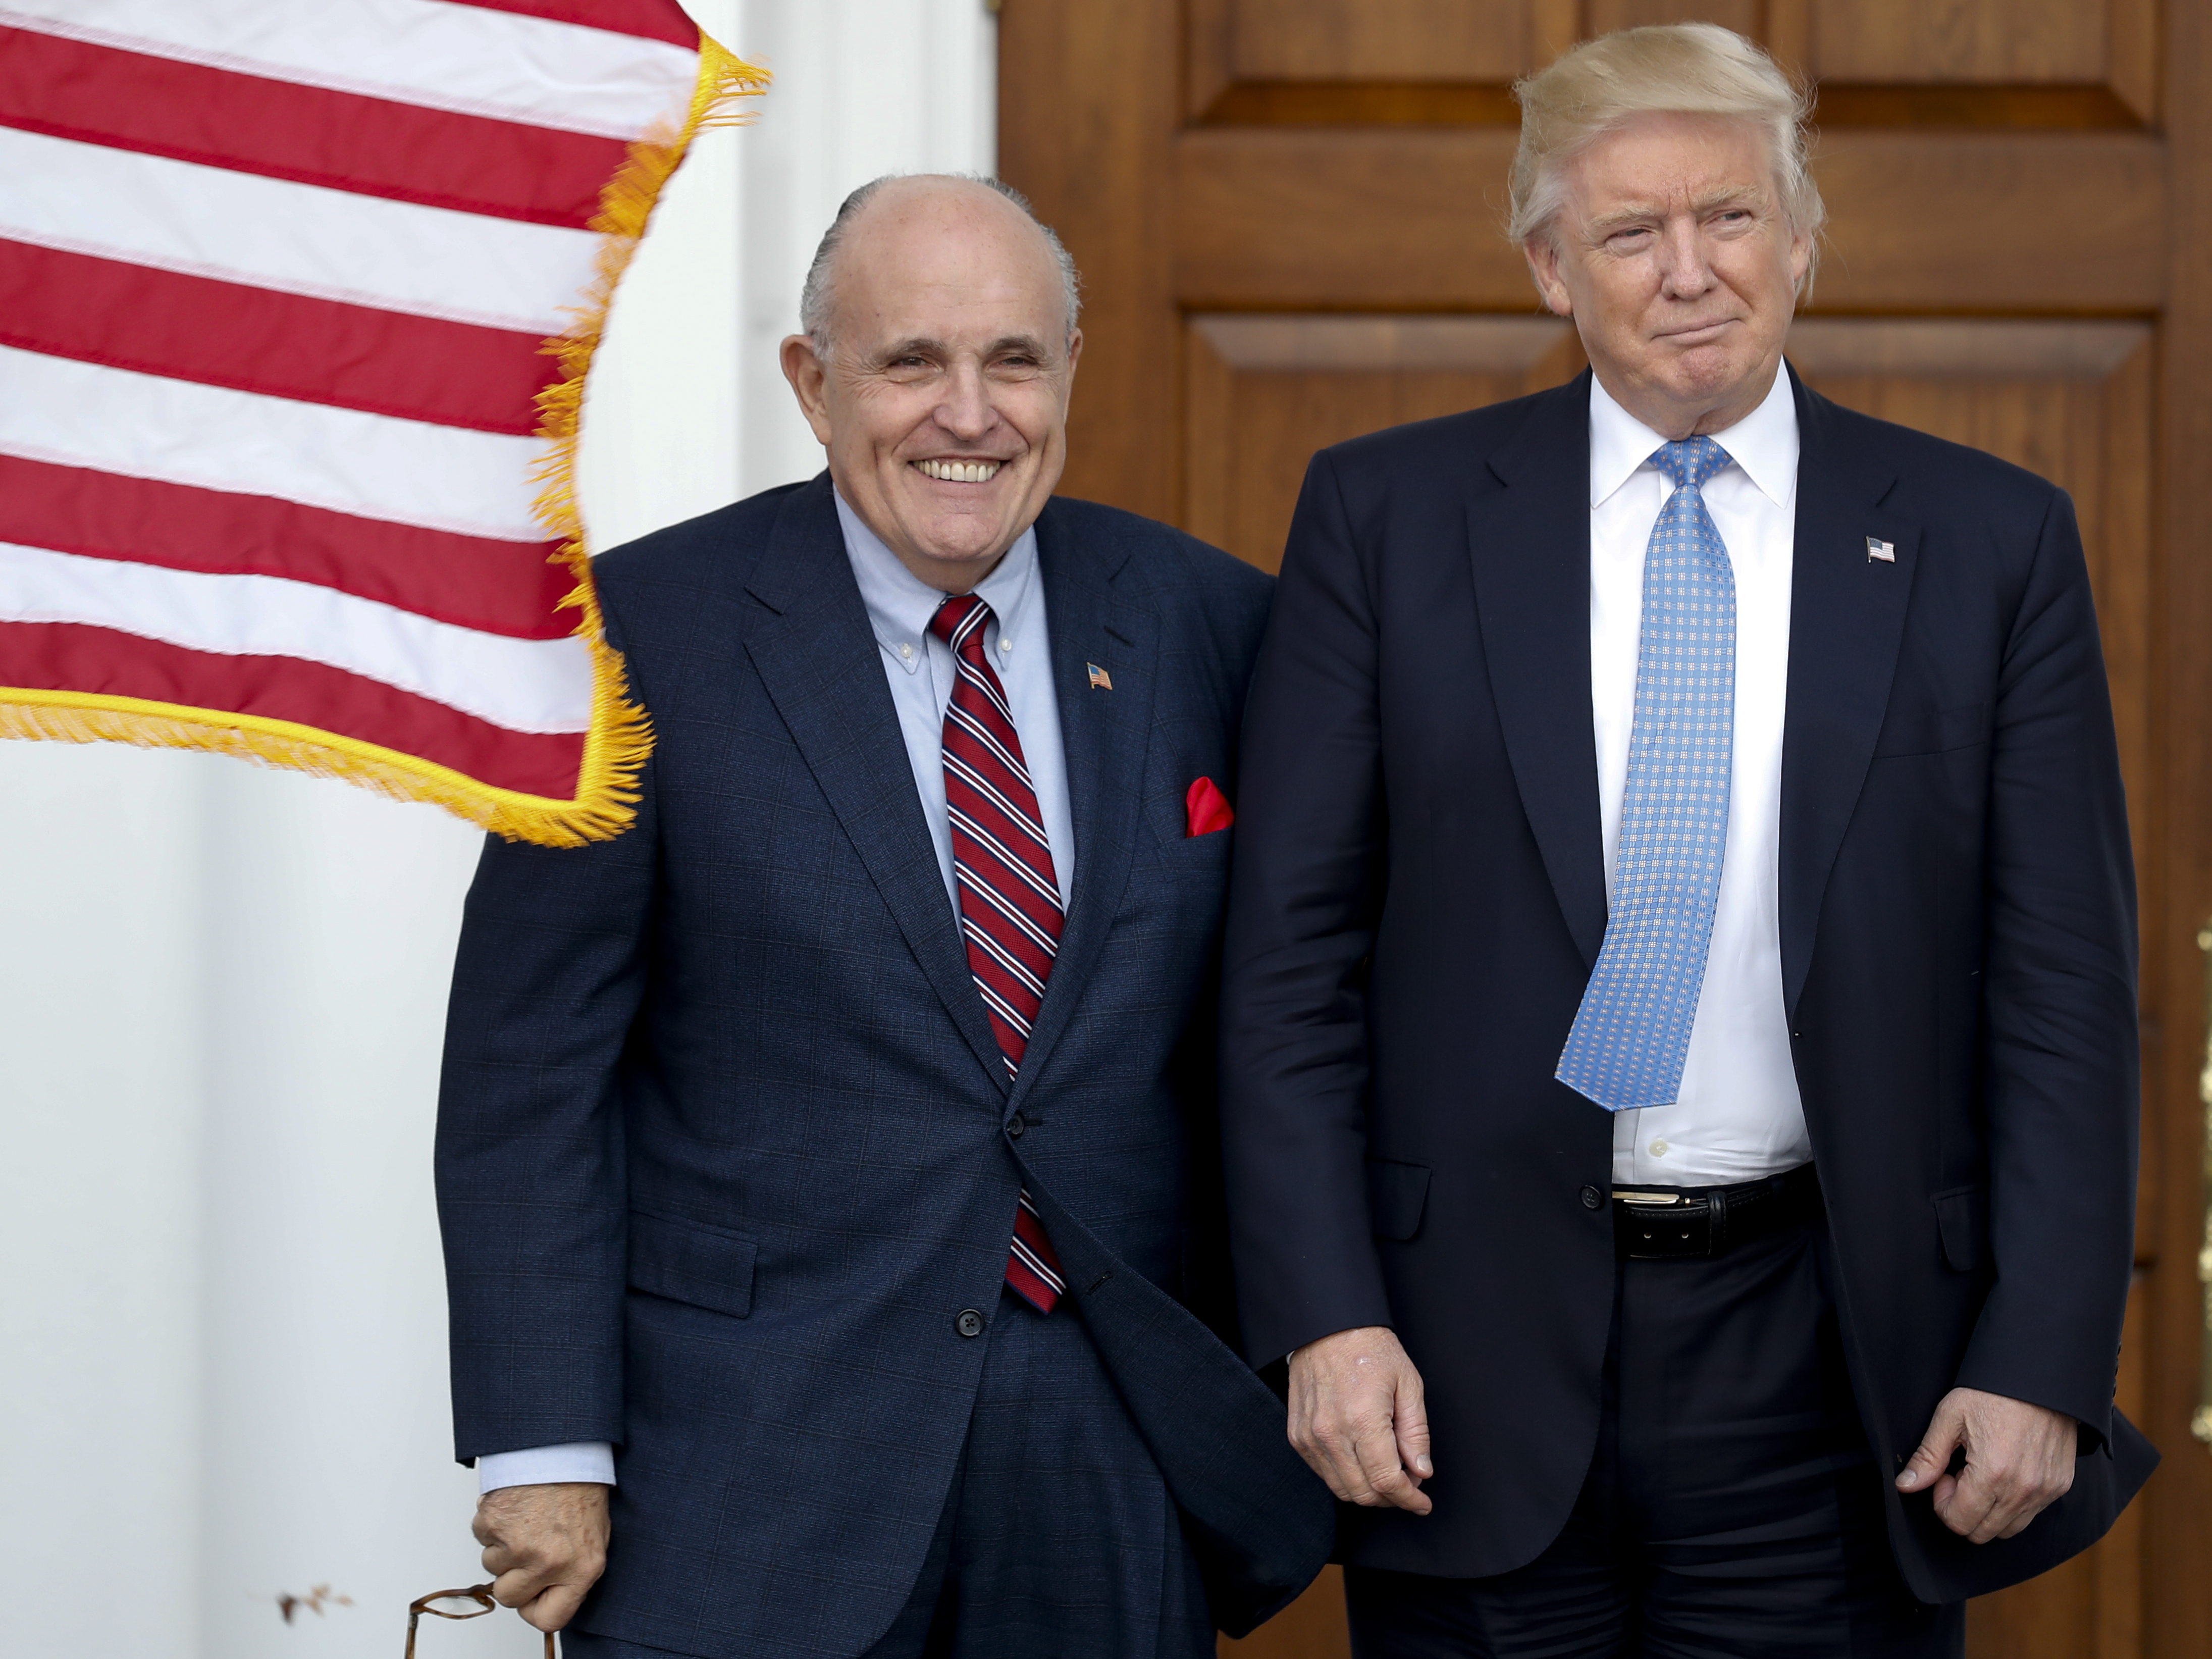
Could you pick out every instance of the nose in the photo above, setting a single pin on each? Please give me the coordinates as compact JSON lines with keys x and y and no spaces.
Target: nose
{"x":1683,"y":267}
{"x":965,"y":411}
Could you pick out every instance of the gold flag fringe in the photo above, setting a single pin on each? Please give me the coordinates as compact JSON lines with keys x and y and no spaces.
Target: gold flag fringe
{"x":620,"y":740}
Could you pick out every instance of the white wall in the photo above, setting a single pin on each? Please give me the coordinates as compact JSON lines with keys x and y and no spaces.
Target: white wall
{"x":221,"y":1322}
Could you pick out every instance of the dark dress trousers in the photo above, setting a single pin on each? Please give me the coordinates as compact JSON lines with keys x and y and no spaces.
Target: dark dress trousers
{"x":1420,"y":896}
{"x":728,"y":1159}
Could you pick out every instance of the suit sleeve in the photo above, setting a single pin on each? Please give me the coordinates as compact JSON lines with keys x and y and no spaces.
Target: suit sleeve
{"x":532,"y":1194}
{"x":1304,"y":897}
{"x":2062,"y":1066}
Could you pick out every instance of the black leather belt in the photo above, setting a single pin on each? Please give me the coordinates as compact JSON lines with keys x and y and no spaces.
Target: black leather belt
{"x":1665,"y":1224}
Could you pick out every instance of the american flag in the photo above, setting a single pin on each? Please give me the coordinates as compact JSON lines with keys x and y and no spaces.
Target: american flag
{"x":296,"y":302}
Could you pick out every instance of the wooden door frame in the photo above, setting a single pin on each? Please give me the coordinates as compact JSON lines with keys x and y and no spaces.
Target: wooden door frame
{"x":1097,"y":154}
{"x":2177,"y":1505}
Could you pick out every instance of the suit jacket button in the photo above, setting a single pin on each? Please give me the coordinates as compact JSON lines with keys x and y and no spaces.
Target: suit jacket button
{"x":970,"y":1324}
{"x":1014,"y":1127}
{"x":1593,"y":1198}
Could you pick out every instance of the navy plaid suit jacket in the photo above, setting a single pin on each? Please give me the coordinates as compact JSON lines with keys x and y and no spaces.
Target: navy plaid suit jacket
{"x":722,"y":1151}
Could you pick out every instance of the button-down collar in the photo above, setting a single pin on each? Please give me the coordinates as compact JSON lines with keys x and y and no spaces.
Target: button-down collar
{"x":1763,"y":443}
{"x":900,"y":604}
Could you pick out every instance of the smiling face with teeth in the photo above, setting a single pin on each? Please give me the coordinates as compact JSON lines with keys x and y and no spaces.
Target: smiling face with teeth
{"x":943,"y":397}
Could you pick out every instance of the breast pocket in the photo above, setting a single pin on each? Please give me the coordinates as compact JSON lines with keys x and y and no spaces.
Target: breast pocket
{"x":690,"y":1261}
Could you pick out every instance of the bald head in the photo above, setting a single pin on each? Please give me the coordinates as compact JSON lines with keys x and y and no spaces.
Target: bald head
{"x":939,"y":350}
{"x":946,"y":196}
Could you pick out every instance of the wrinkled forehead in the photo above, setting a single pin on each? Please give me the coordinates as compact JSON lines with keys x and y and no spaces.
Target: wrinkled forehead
{"x":1670,"y":163}
{"x":956,"y":270}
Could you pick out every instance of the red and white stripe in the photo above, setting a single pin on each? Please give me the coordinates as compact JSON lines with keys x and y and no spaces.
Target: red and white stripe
{"x":276,"y":277}
{"x":1009,"y":909}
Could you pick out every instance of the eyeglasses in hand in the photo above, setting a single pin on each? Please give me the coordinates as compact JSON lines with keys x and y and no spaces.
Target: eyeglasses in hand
{"x":471,"y":1603}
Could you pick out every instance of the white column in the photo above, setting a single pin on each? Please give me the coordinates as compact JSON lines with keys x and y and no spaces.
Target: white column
{"x":102,"y":1047}
{"x":222,"y":992}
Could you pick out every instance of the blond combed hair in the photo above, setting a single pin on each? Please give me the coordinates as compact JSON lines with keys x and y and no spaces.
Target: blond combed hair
{"x":1662,"y":69}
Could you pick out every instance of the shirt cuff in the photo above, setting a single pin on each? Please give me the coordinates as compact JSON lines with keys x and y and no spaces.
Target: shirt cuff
{"x":546,"y":1466}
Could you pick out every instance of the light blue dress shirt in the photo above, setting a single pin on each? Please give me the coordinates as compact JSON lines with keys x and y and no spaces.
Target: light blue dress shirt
{"x":918,"y":669}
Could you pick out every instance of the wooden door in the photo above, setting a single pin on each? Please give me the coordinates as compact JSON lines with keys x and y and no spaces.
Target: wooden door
{"x":1287,"y":213}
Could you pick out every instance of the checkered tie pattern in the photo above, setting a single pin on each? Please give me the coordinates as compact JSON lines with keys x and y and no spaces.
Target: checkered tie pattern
{"x":1009,"y":909}
{"x":1632,"y":1031}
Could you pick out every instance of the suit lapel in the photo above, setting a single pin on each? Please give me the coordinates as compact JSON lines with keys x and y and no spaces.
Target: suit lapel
{"x":1105,"y":734}
{"x":1530,"y":543}
{"x":819,"y":661}
{"x":1846,"y":624}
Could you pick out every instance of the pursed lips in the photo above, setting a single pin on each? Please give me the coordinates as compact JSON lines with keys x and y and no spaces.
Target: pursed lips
{"x":1717,"y":323}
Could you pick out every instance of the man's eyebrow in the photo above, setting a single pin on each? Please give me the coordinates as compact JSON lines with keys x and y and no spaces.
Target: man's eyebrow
{"x":921,"y":345}
{"x":918,"y":345}
{"x":1643,"y":212}
{"x":1729,"y":196}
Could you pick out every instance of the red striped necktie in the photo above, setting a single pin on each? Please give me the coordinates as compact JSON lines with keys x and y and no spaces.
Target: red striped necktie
{"x":1009,"y":909}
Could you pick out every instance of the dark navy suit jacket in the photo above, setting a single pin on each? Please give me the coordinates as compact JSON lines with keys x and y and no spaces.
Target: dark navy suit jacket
{"x":722,"y":1148}
{"x":1419,"y":896}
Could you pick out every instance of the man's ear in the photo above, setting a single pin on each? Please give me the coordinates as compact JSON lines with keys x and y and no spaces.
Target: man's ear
{"x":1075,"y":349}
{"x":1543,"y":256}
{"x":810,"y":380}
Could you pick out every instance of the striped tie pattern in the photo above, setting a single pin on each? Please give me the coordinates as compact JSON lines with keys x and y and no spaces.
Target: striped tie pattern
{"x":1010,"y":908}
{"x":1632,"y":1034}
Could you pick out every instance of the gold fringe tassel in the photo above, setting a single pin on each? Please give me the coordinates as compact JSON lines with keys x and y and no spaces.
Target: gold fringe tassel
{"x":621,"y":736}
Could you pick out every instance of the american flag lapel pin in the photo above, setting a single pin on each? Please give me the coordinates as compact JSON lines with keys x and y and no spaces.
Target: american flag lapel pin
{"x":1100,"y":679}
{"x":1879,"y":550}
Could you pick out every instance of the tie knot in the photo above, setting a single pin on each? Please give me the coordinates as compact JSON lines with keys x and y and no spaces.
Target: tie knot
{"x":960,"y":616}
{"x":1690,"y":461}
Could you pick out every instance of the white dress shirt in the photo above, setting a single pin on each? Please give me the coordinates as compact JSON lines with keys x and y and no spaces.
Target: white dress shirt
{"x":1737,"y":1116}
{"x":919,"y":668}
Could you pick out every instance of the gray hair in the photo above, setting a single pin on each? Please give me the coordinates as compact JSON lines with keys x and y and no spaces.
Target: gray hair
{"x":1671,"y":69}
{"x":816,"y":295}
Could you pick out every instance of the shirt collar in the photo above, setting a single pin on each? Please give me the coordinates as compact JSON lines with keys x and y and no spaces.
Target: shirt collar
{"x":900,"y":604}
{"x":1763,"y":443}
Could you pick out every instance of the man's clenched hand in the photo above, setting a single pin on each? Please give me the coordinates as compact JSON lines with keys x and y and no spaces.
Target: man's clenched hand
{"x":1357,"y":1417}
{"x":2020,"y":1461}
{"x":546,"y":1546}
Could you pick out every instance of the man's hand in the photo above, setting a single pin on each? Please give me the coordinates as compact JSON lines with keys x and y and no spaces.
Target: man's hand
{"x":2020,"y":1461}
{"x":1357,"y":1417}
{"x":546,"y":1546}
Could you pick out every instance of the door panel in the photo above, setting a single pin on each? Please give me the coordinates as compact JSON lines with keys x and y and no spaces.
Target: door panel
{"x":1289,"y":216}
{"x":1380,"y":40}
{"x":1970,"y":42}
{"x":1265,"y":391}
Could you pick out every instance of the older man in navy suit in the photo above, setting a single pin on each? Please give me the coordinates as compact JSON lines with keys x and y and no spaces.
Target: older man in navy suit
{"x":827,"y":1164}
{"x":1679,"y":1025}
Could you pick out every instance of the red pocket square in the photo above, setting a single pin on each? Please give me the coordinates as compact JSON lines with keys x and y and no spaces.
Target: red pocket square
{"x":1208,"y":808}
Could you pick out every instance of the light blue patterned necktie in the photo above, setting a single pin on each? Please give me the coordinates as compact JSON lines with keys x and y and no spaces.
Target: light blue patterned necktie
{"x":1632,"y":1031}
